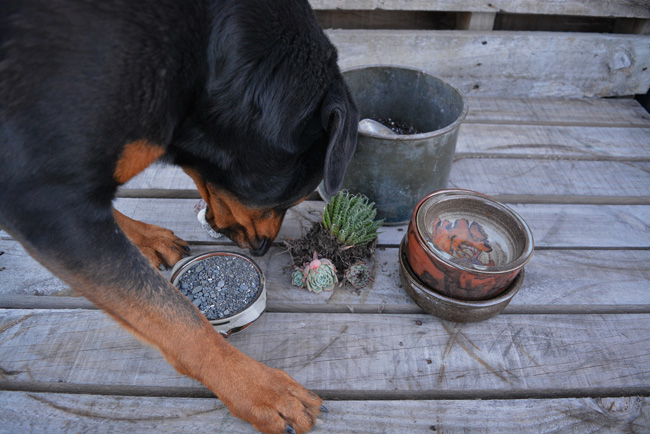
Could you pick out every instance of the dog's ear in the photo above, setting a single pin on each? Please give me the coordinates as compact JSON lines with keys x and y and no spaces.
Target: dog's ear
{"x":340,"y":118}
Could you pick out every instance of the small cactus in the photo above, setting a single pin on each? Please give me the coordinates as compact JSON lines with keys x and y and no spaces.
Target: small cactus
{"x":358,"y":275}
{"x":351,"y":219}
{"x":318,"y":275}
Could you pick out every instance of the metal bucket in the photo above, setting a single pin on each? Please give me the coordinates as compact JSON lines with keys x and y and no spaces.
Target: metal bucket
{"x":396,"y":171}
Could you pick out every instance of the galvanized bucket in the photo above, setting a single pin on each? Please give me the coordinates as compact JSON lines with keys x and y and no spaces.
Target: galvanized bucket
{"x":396,"y":171}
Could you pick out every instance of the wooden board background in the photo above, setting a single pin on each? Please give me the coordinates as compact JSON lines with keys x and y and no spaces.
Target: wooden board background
{"x":519,"y":48}
{"x":525,"y":64}
{"x":616,"y":8}
{"x":570,"y":354}
{"x":414,"y":356}
{"x":110,"y":414}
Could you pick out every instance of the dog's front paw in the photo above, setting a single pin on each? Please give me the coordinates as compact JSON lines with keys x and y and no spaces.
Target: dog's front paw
{"x":161,"y":246}
{"x":158,"y":244}
{"x":269,"y":399}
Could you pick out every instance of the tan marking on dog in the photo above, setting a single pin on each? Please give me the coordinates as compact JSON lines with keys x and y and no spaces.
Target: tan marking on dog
{"x":244,"y":225}
{"x":136,"y":156}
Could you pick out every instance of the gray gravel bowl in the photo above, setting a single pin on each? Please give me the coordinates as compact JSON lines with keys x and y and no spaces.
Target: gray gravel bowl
{"x":228,"y":288}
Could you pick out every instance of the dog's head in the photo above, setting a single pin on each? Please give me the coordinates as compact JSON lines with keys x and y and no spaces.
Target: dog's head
{"x":275,"y":118}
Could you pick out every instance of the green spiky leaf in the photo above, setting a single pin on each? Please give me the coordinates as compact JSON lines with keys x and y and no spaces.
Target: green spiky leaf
{"x":351,"y":219}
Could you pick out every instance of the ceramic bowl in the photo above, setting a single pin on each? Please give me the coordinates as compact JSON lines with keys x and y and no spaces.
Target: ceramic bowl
{"x":449,"y":308}
{"x":466,"y":245}
{"x":235,"y":321}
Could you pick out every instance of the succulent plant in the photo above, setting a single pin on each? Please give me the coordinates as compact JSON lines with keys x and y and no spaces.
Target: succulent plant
{"x":351,"y":219}
{"x":298,"y":278}
{"x":358,"y":275}
{"x":317,"y":275}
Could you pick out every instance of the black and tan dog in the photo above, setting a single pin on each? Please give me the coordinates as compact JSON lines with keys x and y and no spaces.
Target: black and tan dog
{"x":245,"y":95}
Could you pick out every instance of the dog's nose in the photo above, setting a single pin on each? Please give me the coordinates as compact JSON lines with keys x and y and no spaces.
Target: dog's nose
{"x":261,"y":248}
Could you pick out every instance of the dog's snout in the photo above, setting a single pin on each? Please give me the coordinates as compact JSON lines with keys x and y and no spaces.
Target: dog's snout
{"x":262,"y":247}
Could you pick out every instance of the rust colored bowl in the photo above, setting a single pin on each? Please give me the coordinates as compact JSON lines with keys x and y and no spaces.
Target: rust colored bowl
{"x":466,"y":245}
{"x":452,"y":309}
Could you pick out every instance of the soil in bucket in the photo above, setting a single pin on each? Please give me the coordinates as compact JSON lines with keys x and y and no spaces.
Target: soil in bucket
{"x":399,"y":127}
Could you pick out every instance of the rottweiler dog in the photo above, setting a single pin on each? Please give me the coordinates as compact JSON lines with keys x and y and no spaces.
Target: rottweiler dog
{"x":245,"y":95}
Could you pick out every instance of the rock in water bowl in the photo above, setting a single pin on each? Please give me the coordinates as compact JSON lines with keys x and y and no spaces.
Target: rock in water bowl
{"x":395,"y":171}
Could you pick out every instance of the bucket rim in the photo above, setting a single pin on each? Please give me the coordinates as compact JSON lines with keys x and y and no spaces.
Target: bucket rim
{"x":429,"y":134}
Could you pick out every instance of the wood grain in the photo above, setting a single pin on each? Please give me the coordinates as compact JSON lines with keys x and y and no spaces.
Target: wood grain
{"x":507,"y":354}
{"x":554,"y":141}
{"x":110,"y":414}
{"x":553,"y":225}
{"x":556,"y":111}
{"x":496,"y":175}
{"x":583,"y":280}
{"x":499,"y":63}
{"x":617,"y":8}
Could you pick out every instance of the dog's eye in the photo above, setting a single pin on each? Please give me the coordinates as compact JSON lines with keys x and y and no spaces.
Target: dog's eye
{"x":267,"y":214}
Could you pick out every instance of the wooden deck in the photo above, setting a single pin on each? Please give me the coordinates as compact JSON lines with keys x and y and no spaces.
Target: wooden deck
{"x":552,"y":131}
{"x":570,"y":354}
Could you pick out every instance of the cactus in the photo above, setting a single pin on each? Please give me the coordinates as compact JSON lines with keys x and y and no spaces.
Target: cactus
{"x":351,"y":219}
{"x":358,"y":275}
{"x":318,"y":275}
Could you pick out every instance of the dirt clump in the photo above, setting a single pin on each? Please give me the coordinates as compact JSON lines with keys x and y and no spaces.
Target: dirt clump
{"x":320,"y":240}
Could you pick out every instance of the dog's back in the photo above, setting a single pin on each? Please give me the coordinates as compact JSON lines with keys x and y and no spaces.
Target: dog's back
{"x":79,"y":80}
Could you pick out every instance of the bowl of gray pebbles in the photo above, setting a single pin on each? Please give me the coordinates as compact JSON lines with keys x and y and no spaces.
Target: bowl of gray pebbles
{"x":228,"y":288}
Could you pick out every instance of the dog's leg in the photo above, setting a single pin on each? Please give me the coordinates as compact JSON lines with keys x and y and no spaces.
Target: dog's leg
{"x":158,"y":244}
{"x":90,"y":252}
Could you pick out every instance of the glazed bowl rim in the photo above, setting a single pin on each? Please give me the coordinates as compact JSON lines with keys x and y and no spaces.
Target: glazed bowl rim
{"x":431,"y":249}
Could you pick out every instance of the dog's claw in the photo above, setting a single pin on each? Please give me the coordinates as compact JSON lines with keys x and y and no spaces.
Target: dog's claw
{"x":324,"y":409}
{"x":289,"y":430}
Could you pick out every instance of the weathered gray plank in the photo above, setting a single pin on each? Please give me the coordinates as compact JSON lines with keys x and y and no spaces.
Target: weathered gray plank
{"x":556,"y":141}
{"x":110,"y":414}
{"x":553,"y":225}
{"x":497,"y":176}
{"x":179,"y":216}
{"x":582,"y":279}
{"x":500,"y":63}
{"x":557,"y":111}
{"x":494,"y":176}
{"x":586,"y":280}
{"x":21,"y":274}
{"x":559,"y":354}
{"x":560,"y":141}
{"x":618,"y":8}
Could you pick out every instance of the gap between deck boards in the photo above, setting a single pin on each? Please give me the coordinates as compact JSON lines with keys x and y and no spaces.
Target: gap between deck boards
{"x":505,"y":198}
{"x":55,"y":302}
{"x":333,"y":395}
{"x":552,"y":157}
{"x":554,"y":123}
